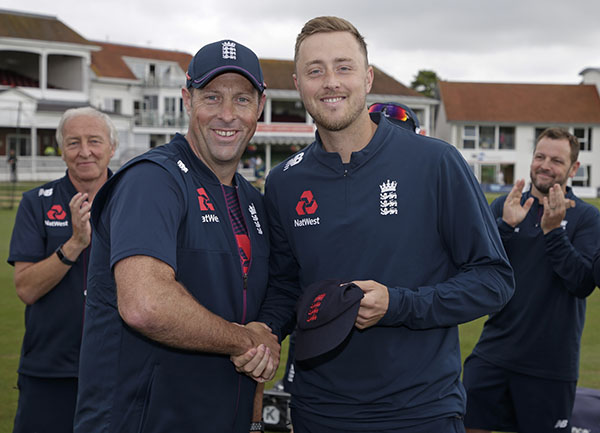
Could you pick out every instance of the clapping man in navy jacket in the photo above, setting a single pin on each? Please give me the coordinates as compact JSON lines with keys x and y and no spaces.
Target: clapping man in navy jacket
{"x":50,"y":249}
{"x":523,"y":371}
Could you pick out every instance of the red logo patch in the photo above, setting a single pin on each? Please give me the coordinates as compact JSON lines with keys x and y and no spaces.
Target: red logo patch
{"x":307,"y":204}
{"x":313,"y":310}
{"x":56,"y":212}
{"x":204,"y":201}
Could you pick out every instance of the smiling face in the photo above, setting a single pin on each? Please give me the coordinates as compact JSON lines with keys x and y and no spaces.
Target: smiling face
{"x":333,"y":79}
{"x":551,"y":165}
{"x":86,"y":148}
{"x":223,"y":117}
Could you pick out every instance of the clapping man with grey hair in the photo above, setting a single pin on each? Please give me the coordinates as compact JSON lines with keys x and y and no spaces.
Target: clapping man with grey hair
{"x":49,"y":250}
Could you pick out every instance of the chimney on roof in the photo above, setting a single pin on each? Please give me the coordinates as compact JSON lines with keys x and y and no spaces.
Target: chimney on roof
{"x":591,"y":76}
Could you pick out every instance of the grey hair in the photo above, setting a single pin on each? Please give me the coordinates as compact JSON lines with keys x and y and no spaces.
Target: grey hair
{"x":87,"y":111}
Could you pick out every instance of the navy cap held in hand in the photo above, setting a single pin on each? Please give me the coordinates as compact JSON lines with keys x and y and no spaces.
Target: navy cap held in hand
{"x":325,"y":315}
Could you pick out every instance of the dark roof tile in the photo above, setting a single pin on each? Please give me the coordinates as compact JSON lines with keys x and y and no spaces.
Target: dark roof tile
{"x":109,"y":63}
{"x":39,"y":27}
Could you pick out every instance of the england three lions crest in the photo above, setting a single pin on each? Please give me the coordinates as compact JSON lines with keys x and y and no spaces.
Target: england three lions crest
{"x":388,"y":199}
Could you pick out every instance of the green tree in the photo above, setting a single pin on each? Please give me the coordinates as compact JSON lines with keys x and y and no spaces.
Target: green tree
{"x":426,"y":83}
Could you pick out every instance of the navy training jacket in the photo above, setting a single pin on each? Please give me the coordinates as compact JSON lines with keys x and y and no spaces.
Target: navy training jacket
{"x":406,"y":212}
{"x":167,"y":204}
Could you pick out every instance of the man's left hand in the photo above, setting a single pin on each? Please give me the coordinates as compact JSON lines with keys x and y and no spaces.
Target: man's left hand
{"x":374,"y":305}
{"x":555,"y":208}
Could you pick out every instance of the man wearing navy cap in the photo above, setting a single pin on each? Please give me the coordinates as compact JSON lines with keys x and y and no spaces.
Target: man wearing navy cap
{"x":402,"y":216}
{"x":179,"y":269}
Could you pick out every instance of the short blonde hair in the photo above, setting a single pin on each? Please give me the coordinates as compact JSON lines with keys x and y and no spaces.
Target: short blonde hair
{"x":329,"y":24}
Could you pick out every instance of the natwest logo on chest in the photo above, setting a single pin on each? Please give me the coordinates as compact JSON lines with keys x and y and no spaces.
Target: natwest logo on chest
{"x":56,"y":212}
{"x":56,"y":217}
{"x":307,"y":205}
{"x":205,"y":206}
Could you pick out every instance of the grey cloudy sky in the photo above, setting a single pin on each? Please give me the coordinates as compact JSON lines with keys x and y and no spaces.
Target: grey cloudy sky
{"x":532,"y":41}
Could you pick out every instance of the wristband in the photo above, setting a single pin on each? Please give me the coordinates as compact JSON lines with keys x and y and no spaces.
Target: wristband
{"x":62,"y":257}
{"x":257,"y":426}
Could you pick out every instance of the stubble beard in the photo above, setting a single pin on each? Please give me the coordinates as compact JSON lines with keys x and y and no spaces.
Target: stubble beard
{"x":545,"y":188}
{"x":324,"y":121}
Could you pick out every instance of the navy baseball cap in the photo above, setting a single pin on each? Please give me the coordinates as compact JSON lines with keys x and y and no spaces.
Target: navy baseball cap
{"x":220,"y":57}
{"x":325,"y":316}
{"x":398,"y":113}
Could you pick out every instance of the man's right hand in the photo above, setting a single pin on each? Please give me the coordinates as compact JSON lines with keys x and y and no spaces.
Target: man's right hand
{"x":513,"y":213}
{"x":261,"y":361}
{"x":80,"y":220}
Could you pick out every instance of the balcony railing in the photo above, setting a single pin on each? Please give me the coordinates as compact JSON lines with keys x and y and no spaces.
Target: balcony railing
{"x":152,"y":118}
{"x":154,"y":82}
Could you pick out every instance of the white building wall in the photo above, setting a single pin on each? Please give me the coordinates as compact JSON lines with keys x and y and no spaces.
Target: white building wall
{"x":443,"y":129}
{"x":521,"y":156}
{"x":592,"y":158}
{"x":524,"y":144}
{"x":125,"y":92}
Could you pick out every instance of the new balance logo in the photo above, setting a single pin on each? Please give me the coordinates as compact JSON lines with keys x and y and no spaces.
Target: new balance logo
{"x":295,"y":160}
{"x":205,"y":204}
{"x":45,"y":192}
{"x":561,"y":423}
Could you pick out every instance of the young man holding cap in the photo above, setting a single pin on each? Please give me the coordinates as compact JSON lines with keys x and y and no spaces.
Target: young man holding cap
{"x":401,"y":216}
{"x":179,"y":269}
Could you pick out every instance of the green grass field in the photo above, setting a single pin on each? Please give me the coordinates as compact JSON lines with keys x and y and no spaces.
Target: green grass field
{"x":11,"y":333}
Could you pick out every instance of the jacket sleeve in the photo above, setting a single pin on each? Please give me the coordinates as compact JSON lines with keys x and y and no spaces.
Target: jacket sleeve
{"x":572,"y":259}
{"x":279,"y":306}
{"x":497,"y":208}
{"x":29,"y":240}
{"x":483,"y":282}
{"x":596,"y":268}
